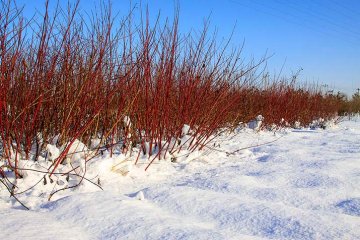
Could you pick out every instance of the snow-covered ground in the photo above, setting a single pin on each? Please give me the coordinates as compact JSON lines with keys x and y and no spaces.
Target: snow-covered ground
{"x":304,"y":185}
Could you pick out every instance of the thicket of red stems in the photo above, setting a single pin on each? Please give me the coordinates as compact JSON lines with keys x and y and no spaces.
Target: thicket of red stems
{"x":75,"y":78}
{"x":283,"y":101}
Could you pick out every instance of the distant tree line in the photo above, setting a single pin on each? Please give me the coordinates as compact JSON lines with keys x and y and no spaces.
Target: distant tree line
{"x":348,"y":105}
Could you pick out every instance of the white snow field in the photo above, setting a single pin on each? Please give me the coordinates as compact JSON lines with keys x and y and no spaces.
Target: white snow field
{"x":305,"y":185}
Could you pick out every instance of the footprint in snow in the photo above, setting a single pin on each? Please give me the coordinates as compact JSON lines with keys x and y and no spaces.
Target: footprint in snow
{"x":137,"y":195}
{"x":264,"y":158}
{"x":350,"y":206}
{"x":314,"y":180}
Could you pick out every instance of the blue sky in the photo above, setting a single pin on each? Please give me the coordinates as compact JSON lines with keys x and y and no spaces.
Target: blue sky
{"x":320,"y":36}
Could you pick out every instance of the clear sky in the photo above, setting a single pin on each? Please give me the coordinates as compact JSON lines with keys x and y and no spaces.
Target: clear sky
{"x":320,"y":36}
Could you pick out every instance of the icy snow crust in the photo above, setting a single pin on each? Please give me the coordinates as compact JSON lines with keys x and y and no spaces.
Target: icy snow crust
{"x":305,"y":185}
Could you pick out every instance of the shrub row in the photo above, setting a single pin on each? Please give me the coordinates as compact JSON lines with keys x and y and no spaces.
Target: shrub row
{"x":64,"y":78}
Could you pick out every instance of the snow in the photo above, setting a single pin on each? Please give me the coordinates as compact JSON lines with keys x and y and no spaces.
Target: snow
{"x":302,"y":184}
{"x":185,"y":130}
{"x":53,"y":152}
{"x":256,"y":123}
{"x":127,"y":121}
